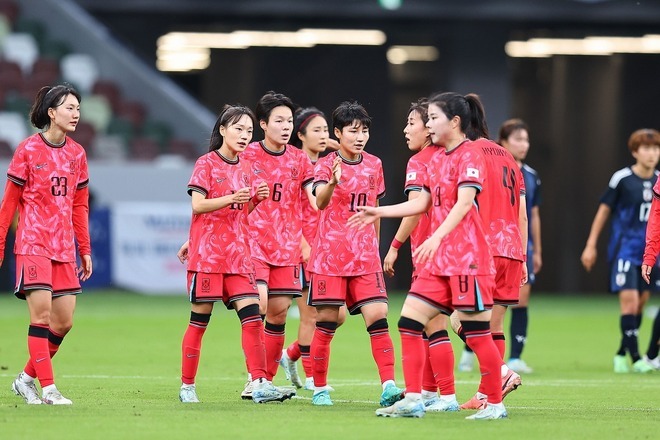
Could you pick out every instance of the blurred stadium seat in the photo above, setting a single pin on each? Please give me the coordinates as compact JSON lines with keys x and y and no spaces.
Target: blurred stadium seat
{"x":21,"y":48}
{"x":108,"y":147}
{"x":96,"y":110}
{"x":81,"y":70}
{"x":13,"y":128}
{"x":109,"y":90}
{"x":144,"y":149}
{"x":84,"y":135}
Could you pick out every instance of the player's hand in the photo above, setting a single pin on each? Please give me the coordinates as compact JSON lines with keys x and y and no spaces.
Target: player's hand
{"x":263,"y":192}
{"x":427,"y":250}
{"x":182,"y":255}
{"x":332,"y":144}
{"x":537,"y":262}
{"x":85,"y":269}
{"x":241,"y":196}
{"x":588,"y":258}
{"x":646,"y":273}
{"x":365,"y":215}
{"x":388,"y":262}
{"x":336,"y":170}
{"x":525,"y":275}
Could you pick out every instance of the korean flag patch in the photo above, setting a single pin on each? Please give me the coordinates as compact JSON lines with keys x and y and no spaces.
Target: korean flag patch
{"x":472,"y":172}
{"x":411,"y":176}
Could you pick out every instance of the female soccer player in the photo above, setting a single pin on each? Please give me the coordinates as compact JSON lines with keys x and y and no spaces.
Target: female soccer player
{"x":460,"y":270}
{"x":417,"y":227}
{"x":276,"y":224}
{"x":219,"y":264}
{"x":628,"y":198}
{"x":47,"y":181}
{"x":344,"y":263}
{"x":311,"y":135}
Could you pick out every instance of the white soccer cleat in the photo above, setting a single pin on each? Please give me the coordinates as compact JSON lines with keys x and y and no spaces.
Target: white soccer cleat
{"x":246,"y":394}
{"x":466,"y":364}
{"x":655,"y":363}
{"x":264,"y":391}
{"x":519,"y":366}
{"x":403,"y":408}
{"x":491,"y":412}
{"x":27,"y":390}
{"x":290,"y":370}
{"x":436,"y":404}
{"x":188,"y":394}
{"x":54,"y":397}
{"x":309,"y":384}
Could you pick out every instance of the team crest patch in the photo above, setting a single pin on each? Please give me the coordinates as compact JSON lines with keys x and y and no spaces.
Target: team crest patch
{"x":322,"y":287}
{"x":72,"y":166}
{"x":206,"y":284}
{"x":295,"y":172}
{"x":32,"y":272}
{"x":647,"y":194}
{"x":372,"y":181}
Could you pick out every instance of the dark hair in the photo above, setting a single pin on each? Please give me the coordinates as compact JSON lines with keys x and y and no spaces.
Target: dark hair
{"x":230,"y":114}
{"x":468,"y":108}
{"x":269,"y":101}
{"x":509,"y":127}
{"x":347,"y":112}
{"x":643,"y":136}
{"x":301,"y":120}
{"x":49,"y":97}
{"x":420,"y":106}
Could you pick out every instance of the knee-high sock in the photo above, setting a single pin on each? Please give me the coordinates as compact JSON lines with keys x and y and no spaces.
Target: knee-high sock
{"x":652,"y":352}
{"x":382,"y":349}
{"x":192,"y":346}
{"x":478,"y":337}
{"x":306,"y":359}
{"x":413,"y":353}
{"x":500,"y":343}
{"x":442,"y":359}
{"x":253,"y":345}
{"x":293,"y":351}
{"x":39,"y":353}
{"x":320,"y":351}
{"x":428,"y":379}
{"x":54,"y":341}
{"x":274,"y":334}
{"x":629,"y":336}
{"x":518,"y":331}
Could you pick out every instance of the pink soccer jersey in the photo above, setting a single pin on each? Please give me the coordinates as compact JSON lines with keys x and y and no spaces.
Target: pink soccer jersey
{"x":499,"y":202}
{"x":464,"y":251}
{"x":219,"y":240}
{"x":416,"y":173}
{"x":50,"y":176}
{"x":276,"y":223}
{"x":310,"y":220}
{"x":339,"y":250}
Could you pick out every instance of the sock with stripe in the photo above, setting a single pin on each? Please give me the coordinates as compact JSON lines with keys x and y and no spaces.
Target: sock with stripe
{"x":192,"y":345}
{"x":293,"y":351}
{"x":413,"y":353}
{"x":442,"y":357}
{"x":274,"y":338}
{"x":54,"y":341}
{"x":253,"y":347}
{"x":428,"y":380}
{"x":320,"y":351}
{"x":40,"y":354}
{"x":629,"y":336}
{"x":480,"y":340}
{"x":500,"y":343}
{"x":306,"y":359}
{"x":382,"y":349}
{"x":518,"y":331}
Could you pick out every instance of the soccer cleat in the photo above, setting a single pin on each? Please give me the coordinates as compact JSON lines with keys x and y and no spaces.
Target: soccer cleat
{"x":390,"y":395}
{"x":510,"y":382}
{"x":474,"y":403}
{"x":436,"y":404}
{"x":467,"y":361}
{"x":621,"y":364}
{"x":519,"y":366}
{"x":309,"y":384}
{"x":322,"y":398}
{"x":54,"y":397}
{"x":655,"y":363}
{"x":641,"y":366}
{"x":188,"y":394}
{"x":403,"y":408}
{"x":246,"y":394}
{"x":491,"y":412}
{"x":27,"y":390}
{"x":264,"y":391}
{"x":290,"y":370}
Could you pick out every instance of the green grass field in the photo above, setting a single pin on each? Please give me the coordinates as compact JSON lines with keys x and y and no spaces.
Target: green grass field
{"x":120,"y":365}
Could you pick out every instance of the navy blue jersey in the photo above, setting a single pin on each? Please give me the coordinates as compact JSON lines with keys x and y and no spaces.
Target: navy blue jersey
{"x":629,"y":197}
{"x":532,"y":198}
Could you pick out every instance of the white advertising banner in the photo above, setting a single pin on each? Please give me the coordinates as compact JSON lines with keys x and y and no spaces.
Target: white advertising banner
{"x":145,"y":239}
